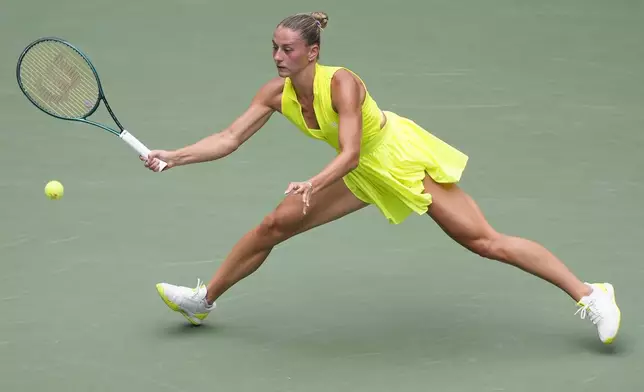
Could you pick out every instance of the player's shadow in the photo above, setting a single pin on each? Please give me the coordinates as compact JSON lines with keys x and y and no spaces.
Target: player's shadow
{"x":445,"y":335}
{"x":181,"y":328}
{"x":620,"y":347}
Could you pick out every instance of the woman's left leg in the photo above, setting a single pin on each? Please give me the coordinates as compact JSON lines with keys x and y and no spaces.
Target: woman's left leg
{"x":460,"y":217}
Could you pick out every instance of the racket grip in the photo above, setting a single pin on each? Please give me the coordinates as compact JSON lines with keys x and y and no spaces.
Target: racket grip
{"x":138,"y":146}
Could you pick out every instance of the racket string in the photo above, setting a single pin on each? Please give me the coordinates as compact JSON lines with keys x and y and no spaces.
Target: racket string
{"x":59,"y":80}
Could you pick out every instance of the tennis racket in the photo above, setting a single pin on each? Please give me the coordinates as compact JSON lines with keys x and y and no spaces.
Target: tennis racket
{"x":61,"y":81}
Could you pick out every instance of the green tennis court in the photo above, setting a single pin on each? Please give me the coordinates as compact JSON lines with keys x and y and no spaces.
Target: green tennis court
{"x":545,"y":97}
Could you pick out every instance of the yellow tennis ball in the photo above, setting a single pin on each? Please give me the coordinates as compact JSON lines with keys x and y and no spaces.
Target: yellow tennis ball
{"x":54,"y":190}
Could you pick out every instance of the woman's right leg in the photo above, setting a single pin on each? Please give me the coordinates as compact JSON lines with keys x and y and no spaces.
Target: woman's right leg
{"x":286,"y":221}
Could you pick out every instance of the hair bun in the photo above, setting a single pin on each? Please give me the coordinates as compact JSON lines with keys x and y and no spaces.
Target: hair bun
{"x":321,"y":17}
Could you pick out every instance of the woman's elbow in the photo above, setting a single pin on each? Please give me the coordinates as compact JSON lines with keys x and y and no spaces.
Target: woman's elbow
{"x":231,"y":141}
{"x":353,"y":159}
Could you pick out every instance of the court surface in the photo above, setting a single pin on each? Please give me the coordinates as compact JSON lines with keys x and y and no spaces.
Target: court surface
{"x":545,"y":97}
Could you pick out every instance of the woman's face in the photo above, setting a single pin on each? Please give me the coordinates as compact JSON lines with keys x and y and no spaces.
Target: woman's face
{"x":290,"y":52}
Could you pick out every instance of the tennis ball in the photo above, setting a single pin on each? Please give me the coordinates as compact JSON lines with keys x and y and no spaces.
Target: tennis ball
{"x":54,"y":190}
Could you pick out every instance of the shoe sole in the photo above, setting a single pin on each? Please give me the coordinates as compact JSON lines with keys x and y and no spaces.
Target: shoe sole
{"x":176,"y":307}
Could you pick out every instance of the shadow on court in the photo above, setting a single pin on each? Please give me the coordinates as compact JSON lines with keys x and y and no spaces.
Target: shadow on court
{"x":398,"y":335}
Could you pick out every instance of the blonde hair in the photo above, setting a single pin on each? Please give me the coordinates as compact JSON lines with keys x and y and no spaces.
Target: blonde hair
{"x":309,"y":25}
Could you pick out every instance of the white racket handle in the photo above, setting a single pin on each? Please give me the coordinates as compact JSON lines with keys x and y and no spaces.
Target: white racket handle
{"x":138,"y":146}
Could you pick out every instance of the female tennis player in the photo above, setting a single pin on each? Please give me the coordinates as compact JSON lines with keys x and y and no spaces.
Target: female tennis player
{"x":383,"y":159}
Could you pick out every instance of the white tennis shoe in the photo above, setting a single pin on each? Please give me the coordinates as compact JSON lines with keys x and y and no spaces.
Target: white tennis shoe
{"x":601,"y":309}
{"x":190,"y":302}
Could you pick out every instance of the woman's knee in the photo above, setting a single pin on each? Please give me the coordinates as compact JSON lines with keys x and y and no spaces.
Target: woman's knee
{"x":491,"y":245}
{"x":279,"y":225}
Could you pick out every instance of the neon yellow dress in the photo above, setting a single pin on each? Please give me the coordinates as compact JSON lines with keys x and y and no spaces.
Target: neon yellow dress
{"x":393,"y":160}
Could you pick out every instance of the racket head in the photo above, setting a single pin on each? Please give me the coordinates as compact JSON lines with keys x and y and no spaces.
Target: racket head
{"x":59,"y":79}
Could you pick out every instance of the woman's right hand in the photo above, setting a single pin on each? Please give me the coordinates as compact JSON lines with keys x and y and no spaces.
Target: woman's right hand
{"x":152,"y":162}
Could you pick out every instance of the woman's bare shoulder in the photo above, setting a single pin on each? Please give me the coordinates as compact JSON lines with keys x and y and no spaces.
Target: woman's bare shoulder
{"x":271,"y":93}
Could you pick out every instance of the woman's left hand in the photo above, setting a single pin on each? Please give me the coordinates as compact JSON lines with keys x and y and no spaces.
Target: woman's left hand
{"x":304,"y":188}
